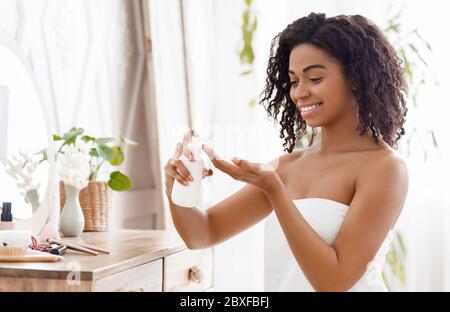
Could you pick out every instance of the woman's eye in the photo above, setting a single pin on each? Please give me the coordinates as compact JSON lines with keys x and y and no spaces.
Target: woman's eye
{"x":315,"y":79}
{"x":293,"y":83}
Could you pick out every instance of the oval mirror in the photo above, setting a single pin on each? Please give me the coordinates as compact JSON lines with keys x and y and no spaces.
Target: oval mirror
{"x":25,"y":180}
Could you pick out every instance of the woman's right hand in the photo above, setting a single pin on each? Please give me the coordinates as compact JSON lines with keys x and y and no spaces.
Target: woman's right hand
{"x":175,"y":169}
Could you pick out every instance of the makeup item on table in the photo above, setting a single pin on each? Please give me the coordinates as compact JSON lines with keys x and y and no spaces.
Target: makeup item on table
{"x":23,"y":254}
{"x":73,"y":246}
{"x":6,"y":218}
{"x":94,"y":248}
{"x":6,"y":213}
{"x":58,"y":250}
{"x":48,"y":231}
{"x":81,"y":247}
{"x":42,"y":247}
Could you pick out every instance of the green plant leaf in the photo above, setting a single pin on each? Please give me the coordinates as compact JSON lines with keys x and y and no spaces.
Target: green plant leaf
{"x":57,"y":137}
{"x":103,"y":141}
{"x":408,"y":69}
{"x":401,"y":242}
{"x":105,"y":151}
{"x":242,"y":56}
{"x":393,"y":27}
{"x":248,"y":39}
{"x":246,"y":17}
{"x":427,"y":44}
{"x":433,"y":137}
{"x":44,"y":154}
{"x":119,"y":182}
{"x":129,"y":142}
{"x":249,"y":25}
{"x":255,"y":24}
{"x":251,"y":56}
{"x":44,"y":157}
{"x":71,"y":136}
{"x":118,"y":157}
{"x":416,"y":52}
{"x":94,"y":153}
{"x":87,"y":138}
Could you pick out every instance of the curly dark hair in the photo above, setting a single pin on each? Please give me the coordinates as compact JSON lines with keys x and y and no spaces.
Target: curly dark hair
{"x":368,"y":60}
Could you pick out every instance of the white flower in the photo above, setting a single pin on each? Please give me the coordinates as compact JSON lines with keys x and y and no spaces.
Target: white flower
{"x":22,"y":167}
{"x":73,"y":163}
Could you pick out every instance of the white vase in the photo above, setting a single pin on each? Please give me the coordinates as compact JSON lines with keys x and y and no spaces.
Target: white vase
{"x":71,"y":222}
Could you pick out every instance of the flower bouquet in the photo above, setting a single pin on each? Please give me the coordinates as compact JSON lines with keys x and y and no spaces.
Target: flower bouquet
{"x":90,"y":156}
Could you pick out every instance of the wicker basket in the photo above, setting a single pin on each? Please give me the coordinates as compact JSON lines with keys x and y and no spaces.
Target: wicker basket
{"x":95,"y":201}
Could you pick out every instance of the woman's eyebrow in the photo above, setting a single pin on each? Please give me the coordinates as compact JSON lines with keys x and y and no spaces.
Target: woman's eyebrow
{"x":313,"y":66}
{"x":309,"y":67}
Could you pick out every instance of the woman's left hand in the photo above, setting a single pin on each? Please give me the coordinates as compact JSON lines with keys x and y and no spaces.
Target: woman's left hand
{"x":263,"y":176}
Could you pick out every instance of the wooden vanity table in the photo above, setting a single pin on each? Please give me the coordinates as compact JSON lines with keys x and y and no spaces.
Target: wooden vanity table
{"x":150,"y":260}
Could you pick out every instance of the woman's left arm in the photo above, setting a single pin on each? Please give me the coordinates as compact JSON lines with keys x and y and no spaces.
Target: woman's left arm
{"x":379,"y":197}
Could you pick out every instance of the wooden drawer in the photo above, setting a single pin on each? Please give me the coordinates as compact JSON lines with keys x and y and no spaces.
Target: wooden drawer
{"x":146,"y":277}
{"x":188,"y":270}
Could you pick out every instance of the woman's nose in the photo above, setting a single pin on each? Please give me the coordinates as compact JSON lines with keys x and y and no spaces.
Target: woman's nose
{"x":301,"y":91}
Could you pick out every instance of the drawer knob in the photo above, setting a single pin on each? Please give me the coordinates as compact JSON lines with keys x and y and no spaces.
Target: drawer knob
{"x":195,"y":274}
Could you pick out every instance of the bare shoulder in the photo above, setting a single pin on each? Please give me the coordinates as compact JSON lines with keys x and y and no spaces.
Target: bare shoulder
{"x":282,"y":162}
{"x":384,"y":180}
{"x":385,"y":164}
{"x":288,"y":158}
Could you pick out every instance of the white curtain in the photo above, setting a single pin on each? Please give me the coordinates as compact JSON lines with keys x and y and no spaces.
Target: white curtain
{"x":221,"y":111}
{"x":88,"y":59}
{"x":426,"y":217}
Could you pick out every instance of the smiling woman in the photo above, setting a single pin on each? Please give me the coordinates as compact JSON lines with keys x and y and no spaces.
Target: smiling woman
{"x":331,"y":206}
{"x":344,"y":57}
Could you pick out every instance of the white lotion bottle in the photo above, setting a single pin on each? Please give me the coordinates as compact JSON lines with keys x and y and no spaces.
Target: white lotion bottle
{"x":189,"y":195}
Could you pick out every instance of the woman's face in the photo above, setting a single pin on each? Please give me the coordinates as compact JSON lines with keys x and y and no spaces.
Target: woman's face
{"x":318,"y":86}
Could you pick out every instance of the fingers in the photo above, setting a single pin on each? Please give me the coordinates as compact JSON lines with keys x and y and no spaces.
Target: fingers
{"x":178,"y":150}
{"x":175,"y":169}
{"x":207,"y":173}
{"x":182,"y":147}
{"x":245,"y":164}
{"x":210,"y":152}
{"x":186,"y":140}
{"x":221,"y":164}
{"x":172,"y":173}
{"x":181,"y":168}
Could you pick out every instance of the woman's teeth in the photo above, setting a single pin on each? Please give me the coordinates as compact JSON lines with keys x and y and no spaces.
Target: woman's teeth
{"x":309,"y":108}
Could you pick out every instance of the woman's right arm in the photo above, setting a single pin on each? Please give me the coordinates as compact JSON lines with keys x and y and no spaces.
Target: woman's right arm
{"x":205,"y":228}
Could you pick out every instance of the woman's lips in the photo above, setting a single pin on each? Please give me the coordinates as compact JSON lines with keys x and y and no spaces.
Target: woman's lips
{"x":311,"y":111}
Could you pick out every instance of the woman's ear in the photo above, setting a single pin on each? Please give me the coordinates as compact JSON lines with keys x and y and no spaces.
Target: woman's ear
{"x":353,"y":85}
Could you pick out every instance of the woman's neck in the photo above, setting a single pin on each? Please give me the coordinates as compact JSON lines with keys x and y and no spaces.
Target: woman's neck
{"x":342,"y":136}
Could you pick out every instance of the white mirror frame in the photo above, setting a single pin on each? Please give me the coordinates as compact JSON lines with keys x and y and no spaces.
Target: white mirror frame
{"x":41,"y":216}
